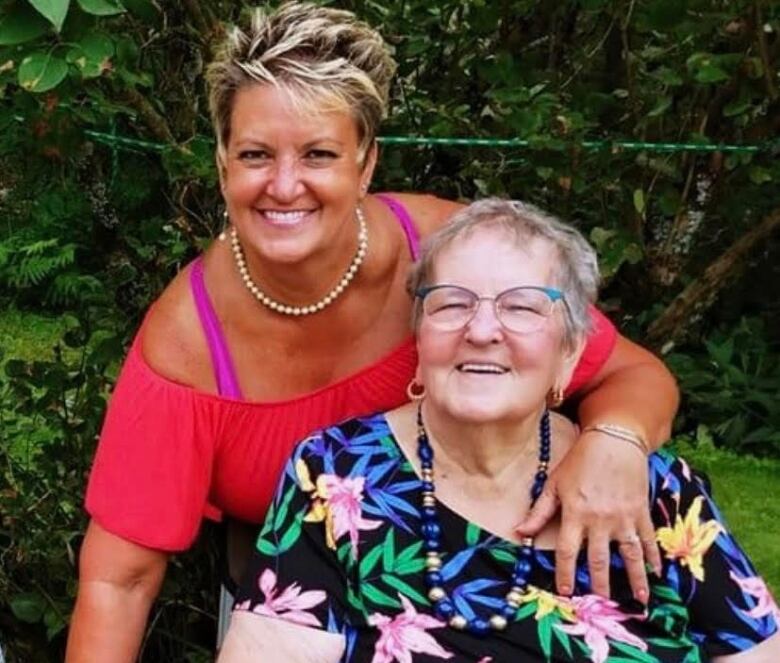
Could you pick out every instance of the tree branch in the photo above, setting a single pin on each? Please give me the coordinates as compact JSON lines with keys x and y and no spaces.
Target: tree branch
{"x":155,"y":122}
{"x":766,"y":60}
{"x":701,"y":293}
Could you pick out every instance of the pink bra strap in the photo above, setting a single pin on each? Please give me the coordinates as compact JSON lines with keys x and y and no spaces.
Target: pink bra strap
{"x":412,"y":237}
{"x":224,"y":372}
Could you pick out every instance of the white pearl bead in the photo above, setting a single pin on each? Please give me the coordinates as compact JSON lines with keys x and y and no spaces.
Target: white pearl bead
{"x":498,"y":623}
{"x":458,"y":622}
{"x":436,"y":594}
{"x":513,"y":598}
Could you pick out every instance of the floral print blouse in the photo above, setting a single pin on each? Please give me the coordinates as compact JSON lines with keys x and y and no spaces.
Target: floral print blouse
{"x":341,"y":550}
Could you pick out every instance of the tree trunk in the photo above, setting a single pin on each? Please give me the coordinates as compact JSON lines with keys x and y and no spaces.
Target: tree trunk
{"x":672,"y":324}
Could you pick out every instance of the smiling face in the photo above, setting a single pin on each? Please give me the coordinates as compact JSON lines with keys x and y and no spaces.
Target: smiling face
{"x":291,"y":181}
{"x":484,"y":373}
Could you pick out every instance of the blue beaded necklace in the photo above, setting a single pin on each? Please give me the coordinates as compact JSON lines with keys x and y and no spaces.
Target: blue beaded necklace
{"x":443,"y":605}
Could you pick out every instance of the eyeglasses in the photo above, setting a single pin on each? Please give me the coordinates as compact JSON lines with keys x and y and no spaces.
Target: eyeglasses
{"x":523,"y":309}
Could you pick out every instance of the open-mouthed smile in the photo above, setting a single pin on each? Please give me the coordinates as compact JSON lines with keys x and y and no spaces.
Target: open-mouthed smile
{"x":482,"y":368}
{"x":285,"y":217}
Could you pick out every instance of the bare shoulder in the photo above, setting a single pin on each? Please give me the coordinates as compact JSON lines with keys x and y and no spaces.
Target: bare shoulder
{"x":428,"y":212}
{"x":173,"y":344}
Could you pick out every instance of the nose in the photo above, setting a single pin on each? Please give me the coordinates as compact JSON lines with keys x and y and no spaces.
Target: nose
{"x":285,"y":183}
{"x":484,"y":327}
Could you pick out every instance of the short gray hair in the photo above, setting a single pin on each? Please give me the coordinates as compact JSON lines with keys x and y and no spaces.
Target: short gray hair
{"x":325,"y":59}
{"x":576,"y":273}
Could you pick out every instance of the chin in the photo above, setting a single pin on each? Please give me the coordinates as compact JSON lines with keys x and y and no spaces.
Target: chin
{"x":480,"y":411}
{"x":289,"y":251}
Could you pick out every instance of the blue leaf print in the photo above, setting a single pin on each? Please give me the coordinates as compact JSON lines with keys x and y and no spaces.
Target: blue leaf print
{"x":398,"y":503}
{"x":359,"y":468}
{"x":544,"y":559}
{"x":764,"y":626}
{"x":474,"y":586}
{"x":463,"y":606}
{"x":492,"y":602}
{"x":737,"y":641}
{"x":673,"y":578}
{"x":402,"y":487}
{"x":454,"y":564}
{"x":316,"y":445}
{"x":377,"y":472}
{"x":382,"y":508}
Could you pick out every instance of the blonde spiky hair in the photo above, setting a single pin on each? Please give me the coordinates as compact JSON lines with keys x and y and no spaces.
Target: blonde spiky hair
{"x":324,"y":59}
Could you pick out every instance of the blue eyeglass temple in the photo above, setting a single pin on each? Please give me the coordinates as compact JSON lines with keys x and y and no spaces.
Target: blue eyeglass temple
{"x":552,"y":293}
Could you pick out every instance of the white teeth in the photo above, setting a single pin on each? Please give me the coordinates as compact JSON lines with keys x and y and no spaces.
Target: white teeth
{"x":481,"y":368}
{"x":285,"y":217}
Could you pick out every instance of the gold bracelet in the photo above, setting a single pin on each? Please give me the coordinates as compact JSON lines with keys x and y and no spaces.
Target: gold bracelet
{"x":621,"y":433}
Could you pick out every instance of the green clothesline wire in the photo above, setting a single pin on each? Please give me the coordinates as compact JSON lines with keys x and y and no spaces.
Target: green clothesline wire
{"x":626,"y":145}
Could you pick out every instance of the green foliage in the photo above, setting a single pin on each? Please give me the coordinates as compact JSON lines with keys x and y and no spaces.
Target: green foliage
{"x":731,"y":384}
{"x":92,"y":227}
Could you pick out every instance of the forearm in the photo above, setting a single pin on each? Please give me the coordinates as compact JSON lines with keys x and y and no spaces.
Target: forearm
{"x":108,"y":623}
{"x":641,"y":397}
{"x":118,"y":582}
{"x":633,"y":389}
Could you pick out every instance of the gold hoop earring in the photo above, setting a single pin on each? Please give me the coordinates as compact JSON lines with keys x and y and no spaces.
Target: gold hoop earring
{"x":415,"y":391}
{"x":555,"y":397}
{"x":225,"y":223}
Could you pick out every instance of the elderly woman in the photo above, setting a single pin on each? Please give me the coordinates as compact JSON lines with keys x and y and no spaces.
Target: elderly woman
{"x":392,"y":537}
{"x":298,"y":320}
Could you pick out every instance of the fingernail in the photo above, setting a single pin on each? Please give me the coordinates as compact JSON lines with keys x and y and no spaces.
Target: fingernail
{"x":641,"y":596}
{"x":565,"y":589}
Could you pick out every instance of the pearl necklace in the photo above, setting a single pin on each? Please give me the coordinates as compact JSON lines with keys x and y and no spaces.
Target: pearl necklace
{"x":443,"y":605}
{"x":328,"y":299}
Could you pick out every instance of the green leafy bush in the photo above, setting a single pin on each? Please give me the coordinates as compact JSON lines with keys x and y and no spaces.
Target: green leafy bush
{"x":731,"y":384}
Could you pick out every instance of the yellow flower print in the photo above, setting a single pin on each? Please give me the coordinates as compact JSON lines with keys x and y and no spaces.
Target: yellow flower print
{"x":690,"y":538}
{"x":548,"y":603}
{"x":304,"y":477}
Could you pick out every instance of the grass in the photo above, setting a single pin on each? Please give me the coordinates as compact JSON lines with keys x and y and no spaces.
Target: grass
{"x":746,"y":488}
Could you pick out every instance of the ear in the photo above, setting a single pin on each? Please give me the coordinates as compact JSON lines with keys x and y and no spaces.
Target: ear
{"x":368,"y":167}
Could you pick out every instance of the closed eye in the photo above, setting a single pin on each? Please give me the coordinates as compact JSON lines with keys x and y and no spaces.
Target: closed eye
{"x":451,"y":306}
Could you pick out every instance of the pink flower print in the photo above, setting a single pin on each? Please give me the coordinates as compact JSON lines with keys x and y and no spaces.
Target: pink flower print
{"x":343,"y":498}
{"x":405,"y":634}
{"x":598,"y":619}
{"x":756,"y":587}
{"x":291,"y":604}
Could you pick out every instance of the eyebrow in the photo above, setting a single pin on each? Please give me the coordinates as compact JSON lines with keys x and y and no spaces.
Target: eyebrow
{"x":249,"y":140}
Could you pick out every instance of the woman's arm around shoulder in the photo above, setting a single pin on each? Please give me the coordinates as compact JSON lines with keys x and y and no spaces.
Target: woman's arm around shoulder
{"x":118,"y":581}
